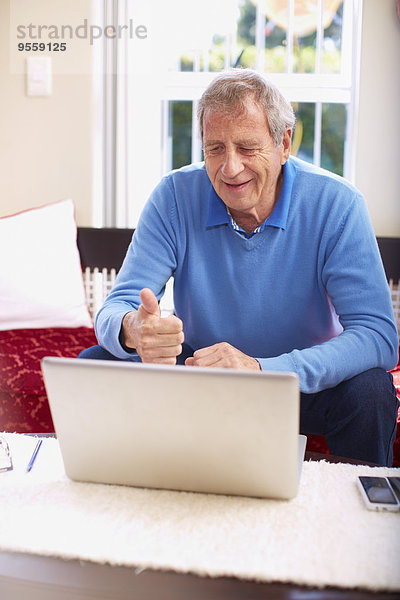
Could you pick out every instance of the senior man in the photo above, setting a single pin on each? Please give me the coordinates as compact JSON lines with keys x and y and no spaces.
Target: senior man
{"x":275,"y":267}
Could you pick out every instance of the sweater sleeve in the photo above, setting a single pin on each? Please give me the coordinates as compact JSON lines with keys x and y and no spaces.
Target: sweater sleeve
{"x":150,"y":261}
{"x":354,"y":279}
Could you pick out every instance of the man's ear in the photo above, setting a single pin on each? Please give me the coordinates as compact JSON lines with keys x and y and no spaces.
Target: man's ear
{"x":286,"y":144}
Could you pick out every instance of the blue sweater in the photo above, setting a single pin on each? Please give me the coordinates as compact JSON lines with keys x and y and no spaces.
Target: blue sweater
{"x":308,"y":294}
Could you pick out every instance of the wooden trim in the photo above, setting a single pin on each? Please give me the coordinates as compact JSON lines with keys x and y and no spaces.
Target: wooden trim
{"x":389,"y":248}
{"x":104,"y":248}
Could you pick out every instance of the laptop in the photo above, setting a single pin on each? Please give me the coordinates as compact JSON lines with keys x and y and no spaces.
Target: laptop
{"x":219,"y":431}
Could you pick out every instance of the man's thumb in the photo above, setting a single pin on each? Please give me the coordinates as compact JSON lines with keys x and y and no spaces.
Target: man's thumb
{"x":149,"y":302}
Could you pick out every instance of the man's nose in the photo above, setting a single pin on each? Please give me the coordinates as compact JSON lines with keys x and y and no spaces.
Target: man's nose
{"x":232,"y":165}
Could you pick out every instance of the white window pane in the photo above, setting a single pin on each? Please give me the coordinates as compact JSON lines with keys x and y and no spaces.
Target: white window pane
{"x":332,"y":43}
{"x":334,"y":117}
{"x":180,"y":133}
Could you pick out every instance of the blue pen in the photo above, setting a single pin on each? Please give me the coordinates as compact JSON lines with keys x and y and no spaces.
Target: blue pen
{"x":34,"y":455}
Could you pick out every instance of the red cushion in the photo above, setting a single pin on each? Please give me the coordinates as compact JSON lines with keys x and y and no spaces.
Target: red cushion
{"x":396,"y":381}
{"x":23,"y":401}
{"x":396,"y":447}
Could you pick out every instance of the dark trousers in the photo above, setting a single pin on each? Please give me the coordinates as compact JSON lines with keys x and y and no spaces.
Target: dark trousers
{"x":358,"y":417}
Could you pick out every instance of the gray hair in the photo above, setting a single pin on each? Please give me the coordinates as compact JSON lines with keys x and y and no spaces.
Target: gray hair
{"x":229,"y":90}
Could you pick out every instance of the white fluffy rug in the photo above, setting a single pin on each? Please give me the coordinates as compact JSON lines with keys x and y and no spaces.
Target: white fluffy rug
{"x":323,"y":537}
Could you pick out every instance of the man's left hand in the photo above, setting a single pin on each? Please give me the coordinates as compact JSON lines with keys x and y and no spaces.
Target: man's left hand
{"x":223,"y":356}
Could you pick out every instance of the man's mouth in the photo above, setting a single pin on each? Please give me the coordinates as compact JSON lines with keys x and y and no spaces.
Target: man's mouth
{"x":236,"y":187}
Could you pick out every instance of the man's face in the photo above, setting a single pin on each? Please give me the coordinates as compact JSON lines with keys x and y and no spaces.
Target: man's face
{"x":242,"y":161}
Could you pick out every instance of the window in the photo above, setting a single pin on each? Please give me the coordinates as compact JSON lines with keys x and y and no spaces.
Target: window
{"x":309,"y":49}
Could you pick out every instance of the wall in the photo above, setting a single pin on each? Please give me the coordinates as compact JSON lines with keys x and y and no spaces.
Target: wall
{"x":378,"y":139}
{"x":46,"y":142}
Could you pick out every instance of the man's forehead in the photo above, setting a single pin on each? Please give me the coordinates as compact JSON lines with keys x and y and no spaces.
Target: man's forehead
{"x":249,"y":107}
{"x":247,"y":121}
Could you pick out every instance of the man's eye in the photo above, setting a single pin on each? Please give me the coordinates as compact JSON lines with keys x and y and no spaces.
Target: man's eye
{"x":214,"y":149}
{"x":247,"y":150}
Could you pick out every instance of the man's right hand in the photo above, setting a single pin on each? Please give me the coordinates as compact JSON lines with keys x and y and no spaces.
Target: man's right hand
{"x":155,"y":339}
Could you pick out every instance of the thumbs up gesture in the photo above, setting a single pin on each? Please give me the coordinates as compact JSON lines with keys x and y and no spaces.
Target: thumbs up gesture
{"x":155,"y":339}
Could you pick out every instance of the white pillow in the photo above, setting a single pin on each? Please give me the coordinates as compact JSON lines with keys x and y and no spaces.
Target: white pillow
{"x":40,"y":272}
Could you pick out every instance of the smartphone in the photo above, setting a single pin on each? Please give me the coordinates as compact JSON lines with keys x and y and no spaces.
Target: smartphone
{"x":378,"y":493}
{"x":395,"y":483}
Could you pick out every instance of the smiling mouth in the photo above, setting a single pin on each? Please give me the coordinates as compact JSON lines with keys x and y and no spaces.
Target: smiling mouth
{"x":236,"y":186}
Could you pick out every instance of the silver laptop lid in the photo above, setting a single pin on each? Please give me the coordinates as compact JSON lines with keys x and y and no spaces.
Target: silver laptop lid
{"x":184,"y":428}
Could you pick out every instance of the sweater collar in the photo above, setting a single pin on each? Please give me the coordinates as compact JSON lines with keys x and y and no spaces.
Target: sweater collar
{"x":218,"y":214}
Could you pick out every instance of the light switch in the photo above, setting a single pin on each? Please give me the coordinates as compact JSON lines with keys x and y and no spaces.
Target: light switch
{"x":38,"y":75}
